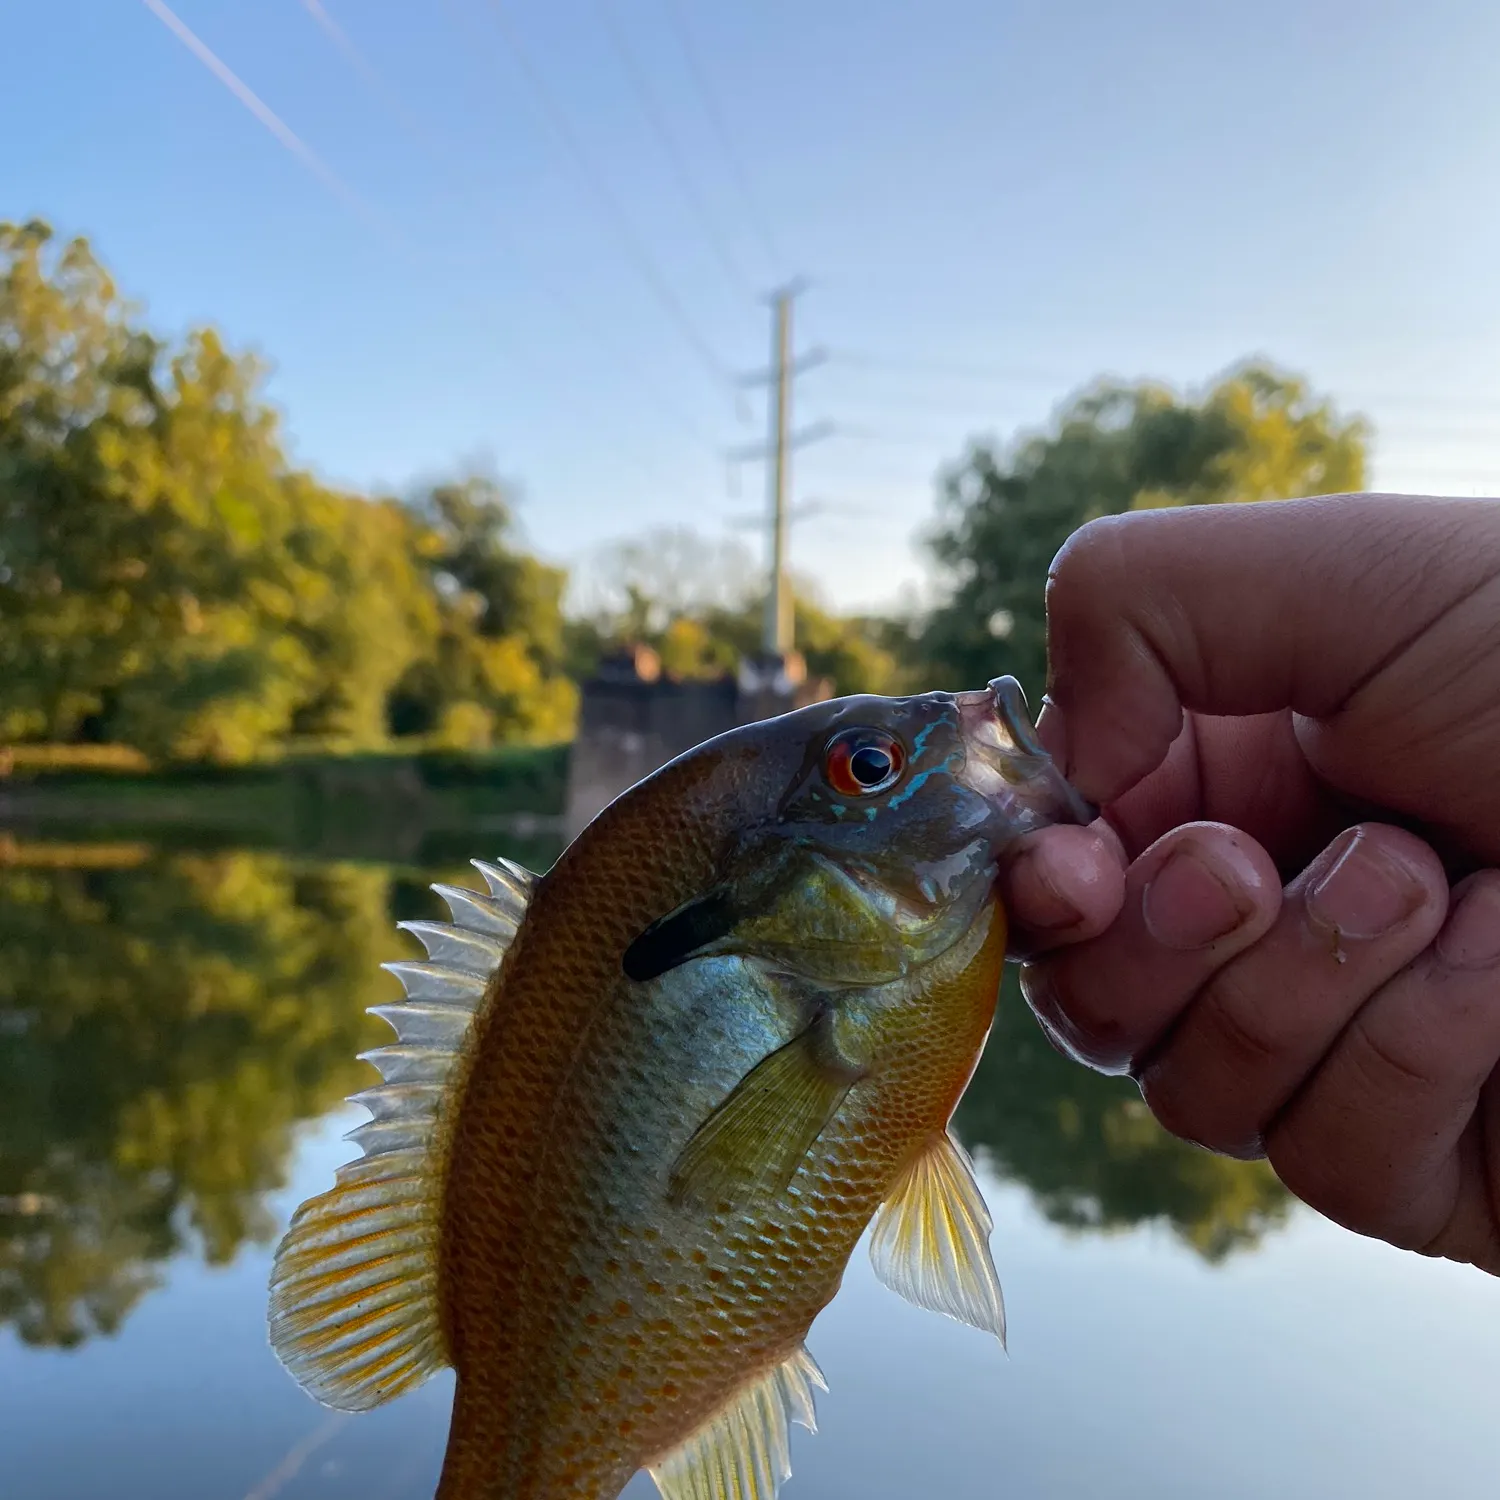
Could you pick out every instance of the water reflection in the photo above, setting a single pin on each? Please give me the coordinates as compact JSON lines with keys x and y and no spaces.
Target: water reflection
{"x":1092,"y":1156}
{"x":166,"y":1021}
{"x":162,"y":1030}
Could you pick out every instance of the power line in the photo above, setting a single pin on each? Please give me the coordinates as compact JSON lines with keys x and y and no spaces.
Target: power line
{"x":982,"y":373}
{"x":892,"y":439}
{"x":613,"y":212}
{"x":1409,"y":431}
{"x":1427,"y":473}
{"x":811,"y":510}
{"x":893,"y":364}
{"x":721,"y":129}
{"x":373,"y":80}
{"x":980,"y":409}
{"x":304,"y":153}
{"x":500,"y":225}
{"x":270,"y":119}
{"x":646,"y":97}
{"x":980,"y":406}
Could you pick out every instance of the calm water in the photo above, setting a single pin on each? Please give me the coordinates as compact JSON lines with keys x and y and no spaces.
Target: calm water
{"x":177,"y":1033}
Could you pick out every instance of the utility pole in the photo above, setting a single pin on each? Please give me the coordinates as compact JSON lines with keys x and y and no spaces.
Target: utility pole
{"x":776,"y":638}
{"x":776,"y":635}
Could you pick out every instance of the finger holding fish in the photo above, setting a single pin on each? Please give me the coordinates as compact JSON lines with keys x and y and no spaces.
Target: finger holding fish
{"x":1062,"y":885}
{"x":1193,"y":901}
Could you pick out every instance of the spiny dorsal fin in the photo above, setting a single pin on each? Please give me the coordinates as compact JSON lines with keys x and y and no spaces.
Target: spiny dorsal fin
{"x":742,"y":1452}
{"x":931,"y":1239}
{"x":354,"y":1287}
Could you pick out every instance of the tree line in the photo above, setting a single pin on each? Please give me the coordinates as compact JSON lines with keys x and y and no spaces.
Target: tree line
{"x":171,"y":581}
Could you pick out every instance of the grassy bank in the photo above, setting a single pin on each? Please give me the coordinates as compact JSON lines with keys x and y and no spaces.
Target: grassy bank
{"x":432,"y":805}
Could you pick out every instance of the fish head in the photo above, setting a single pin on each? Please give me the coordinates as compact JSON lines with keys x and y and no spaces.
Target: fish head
{"x":870,"y":832}
{"x":905,"y":783}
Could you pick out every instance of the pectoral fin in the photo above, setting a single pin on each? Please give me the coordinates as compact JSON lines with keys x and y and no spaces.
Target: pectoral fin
{"x":931,"y":1240}
{"x":756,"y":1139}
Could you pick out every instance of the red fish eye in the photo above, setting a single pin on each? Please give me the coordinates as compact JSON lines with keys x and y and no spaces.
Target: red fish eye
{"x":861,"y":761}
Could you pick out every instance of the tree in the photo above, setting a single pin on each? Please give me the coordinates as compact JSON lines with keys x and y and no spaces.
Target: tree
{"x":1258,"y":434}
{"x":700,"y":605}
{"x":169,"y":580}
{"x":495,"y":669}
{"x":670,"y":572}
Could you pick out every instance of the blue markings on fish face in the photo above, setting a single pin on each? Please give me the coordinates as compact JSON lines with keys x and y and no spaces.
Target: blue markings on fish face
{"x":921,"y":740}
{"x":915,"y":784}
{"x":927,"y":819}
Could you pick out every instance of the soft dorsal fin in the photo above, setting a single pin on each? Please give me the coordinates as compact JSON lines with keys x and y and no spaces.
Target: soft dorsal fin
{"x":742,"y":1452}
{"x":354,"y":1286}
{"x":931,"y":1239}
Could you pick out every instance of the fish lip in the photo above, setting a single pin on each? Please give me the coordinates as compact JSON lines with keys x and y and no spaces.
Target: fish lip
{"x":1009,"y":765}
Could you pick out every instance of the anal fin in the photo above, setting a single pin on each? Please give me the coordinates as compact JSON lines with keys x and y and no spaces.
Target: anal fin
{"x":743,"y":1452}
{"x":756,"y":1139}
{"x":931,"y":1239}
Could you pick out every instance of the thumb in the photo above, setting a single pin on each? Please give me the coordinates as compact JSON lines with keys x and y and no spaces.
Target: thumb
{"x":1243,"y":609}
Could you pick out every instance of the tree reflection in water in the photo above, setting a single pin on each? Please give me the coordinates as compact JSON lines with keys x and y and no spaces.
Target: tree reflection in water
{"x":166,"y":1021}
{"x":1092,"y":1156}
{"x":162,"y":1030}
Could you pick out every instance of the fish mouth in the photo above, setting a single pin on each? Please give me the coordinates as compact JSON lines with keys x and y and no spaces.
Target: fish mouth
{"x":1009,"y":766}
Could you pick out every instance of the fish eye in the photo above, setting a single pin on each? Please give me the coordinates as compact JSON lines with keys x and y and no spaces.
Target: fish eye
{"x":860,"y":762}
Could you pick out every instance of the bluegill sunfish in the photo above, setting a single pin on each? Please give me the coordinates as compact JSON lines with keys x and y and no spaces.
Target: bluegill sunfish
{"x":640,"y":1109}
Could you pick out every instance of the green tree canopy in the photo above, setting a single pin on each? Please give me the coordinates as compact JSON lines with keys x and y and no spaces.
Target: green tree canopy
{"x":168,"y":579}
{"x":1258,"y":434}
{"x":495,"y":670}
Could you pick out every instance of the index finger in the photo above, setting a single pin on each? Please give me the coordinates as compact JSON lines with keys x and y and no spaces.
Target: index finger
{"x":1241,"y":609}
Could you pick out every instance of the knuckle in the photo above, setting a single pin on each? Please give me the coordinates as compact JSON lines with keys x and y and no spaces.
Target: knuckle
{"x":1240,"y":1030}
{"x":1219,"y":1123}
{"x":1083,"y":566}
{"x":1386,"y":1062}
{"x":1223,"y":1076}
{"x":1174,"y":1103}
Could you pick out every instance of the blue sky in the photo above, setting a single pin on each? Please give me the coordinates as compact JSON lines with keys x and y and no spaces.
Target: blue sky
{"x":995,"y":201}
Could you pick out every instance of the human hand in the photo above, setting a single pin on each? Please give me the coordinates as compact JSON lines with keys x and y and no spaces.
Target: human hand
{"x":1259,"y":693}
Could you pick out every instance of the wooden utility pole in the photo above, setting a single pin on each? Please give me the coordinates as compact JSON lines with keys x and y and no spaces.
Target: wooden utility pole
{"x":777,"y":636}
{"x":777,"y":633}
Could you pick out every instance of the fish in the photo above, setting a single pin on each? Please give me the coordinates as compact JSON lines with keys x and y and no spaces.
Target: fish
{"x":641,"y":1109}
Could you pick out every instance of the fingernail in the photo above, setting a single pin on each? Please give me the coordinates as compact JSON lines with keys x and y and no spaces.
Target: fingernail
{"x":1470,"y":938}
{"x":1187,"y":905}
{"x":1368,"y":891}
